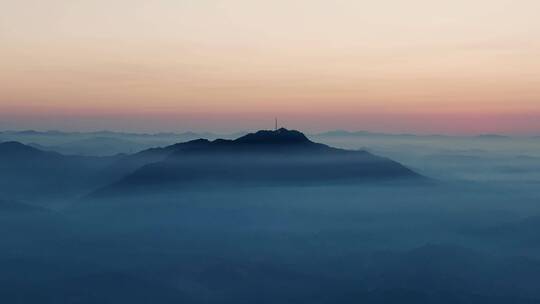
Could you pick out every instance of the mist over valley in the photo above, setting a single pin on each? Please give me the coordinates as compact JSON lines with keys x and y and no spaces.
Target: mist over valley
{"x":270,"y":217}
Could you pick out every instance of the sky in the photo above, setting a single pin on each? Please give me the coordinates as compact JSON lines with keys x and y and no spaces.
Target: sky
{"x":417,"y":66}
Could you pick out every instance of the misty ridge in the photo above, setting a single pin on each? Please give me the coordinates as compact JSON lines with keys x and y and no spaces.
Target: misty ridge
{"x":268,"y":217}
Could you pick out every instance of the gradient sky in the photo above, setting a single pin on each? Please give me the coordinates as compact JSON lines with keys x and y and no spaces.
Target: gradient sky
{"x":422,"y":66}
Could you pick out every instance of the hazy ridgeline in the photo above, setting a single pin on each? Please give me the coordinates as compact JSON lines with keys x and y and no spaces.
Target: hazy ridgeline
{"x":102,"y":143}
{"x":470,"y":237}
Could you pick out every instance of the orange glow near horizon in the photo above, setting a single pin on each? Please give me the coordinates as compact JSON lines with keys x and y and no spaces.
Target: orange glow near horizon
{"x":398,"y":66}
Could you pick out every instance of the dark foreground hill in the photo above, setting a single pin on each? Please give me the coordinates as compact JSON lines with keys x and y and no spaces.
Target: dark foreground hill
{"x":281,"y":157}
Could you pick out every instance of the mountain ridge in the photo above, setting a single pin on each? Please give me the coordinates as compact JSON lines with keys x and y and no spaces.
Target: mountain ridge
{"x":278,"y":157}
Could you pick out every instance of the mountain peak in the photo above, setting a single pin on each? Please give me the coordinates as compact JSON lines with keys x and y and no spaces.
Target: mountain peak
{"x":279,"y":136}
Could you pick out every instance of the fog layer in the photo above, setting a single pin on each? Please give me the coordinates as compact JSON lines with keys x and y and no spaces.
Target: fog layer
{"x":469,"y":237}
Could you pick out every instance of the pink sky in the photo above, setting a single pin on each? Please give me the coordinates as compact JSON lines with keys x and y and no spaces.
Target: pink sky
{"x":456,"y":67}
{"x":418,"y":123}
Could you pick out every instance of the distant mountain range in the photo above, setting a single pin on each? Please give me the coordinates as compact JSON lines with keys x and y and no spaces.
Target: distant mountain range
{"x":280,"y":157}
{"x":104,"y":133}
{"x":211,"y":135}
{"x":107,"y":143}
{"x":102,"y":143}
{"x":344,"y":133}
{"x":30,"y":173}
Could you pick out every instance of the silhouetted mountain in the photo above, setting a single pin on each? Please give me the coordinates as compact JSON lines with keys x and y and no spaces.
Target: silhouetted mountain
{"x":278,"y":157}
{"x":129,"y":163}
{"x":279,"y":137}
{"x":29,"y":173}
{"x":101,"y":143}
{"x":16,"y":149}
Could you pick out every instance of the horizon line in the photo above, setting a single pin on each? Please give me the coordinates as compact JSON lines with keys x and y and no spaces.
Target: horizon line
{"x":318,"y":133}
